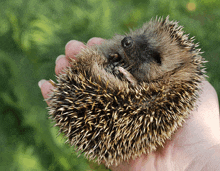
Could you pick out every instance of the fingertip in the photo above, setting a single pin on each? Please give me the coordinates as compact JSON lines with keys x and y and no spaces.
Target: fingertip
{"x":61,"y":64}
{"x":72,"y":48}
{"x":59,"y":57}
{"x":95,"y":41}
{"x":45,"y":87}
{"x":41,"y":82}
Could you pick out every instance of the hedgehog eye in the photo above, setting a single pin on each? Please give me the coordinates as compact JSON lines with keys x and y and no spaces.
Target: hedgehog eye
{"x":127,"y":42}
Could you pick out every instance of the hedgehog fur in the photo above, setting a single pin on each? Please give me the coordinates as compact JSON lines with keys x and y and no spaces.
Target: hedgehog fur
{"x":126,"y":97}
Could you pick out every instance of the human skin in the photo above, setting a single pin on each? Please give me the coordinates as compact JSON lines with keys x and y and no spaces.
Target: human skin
{"x":194,"y":147}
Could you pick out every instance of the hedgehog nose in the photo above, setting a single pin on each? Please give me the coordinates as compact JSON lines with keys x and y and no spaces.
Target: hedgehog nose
{"x":127,"y":42}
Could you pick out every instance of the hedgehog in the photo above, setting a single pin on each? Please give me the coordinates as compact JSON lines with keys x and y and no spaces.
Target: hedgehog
{"x":127,"y":96}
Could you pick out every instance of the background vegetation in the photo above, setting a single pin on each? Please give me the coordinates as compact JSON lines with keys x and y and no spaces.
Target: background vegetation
{"x":34,"y":32}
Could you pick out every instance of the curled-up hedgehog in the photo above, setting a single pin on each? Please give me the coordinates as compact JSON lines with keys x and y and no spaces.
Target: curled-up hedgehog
{"x":127,"y":96}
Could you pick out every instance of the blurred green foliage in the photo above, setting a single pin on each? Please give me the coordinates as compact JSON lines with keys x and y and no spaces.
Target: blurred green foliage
{"x":34,"y":32}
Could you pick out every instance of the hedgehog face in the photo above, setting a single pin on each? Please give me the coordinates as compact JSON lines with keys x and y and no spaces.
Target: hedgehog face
{"x":140,"y":55}
{"x":135,"y":55}
{"x":155,"y":51}
{"x":138,"y":50}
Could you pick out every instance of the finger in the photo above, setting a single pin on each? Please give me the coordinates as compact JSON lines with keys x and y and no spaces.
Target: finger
{"x":61,"y":63}
{"x":95,"y":40}
{"x":72,"y":48}
{"x":46,"y":88}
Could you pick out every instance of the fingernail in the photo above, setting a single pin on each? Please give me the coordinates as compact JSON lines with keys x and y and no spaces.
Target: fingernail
{"x":95,"y":41}
{"x":40,"y":83}
{"x":60,"y":56}
{"x":71,"y":41}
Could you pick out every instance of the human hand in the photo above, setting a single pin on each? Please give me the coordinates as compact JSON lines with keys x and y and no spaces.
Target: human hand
{"x":190,"y":146}
{"x":194,"y":147}
{"x":72,"y":48}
